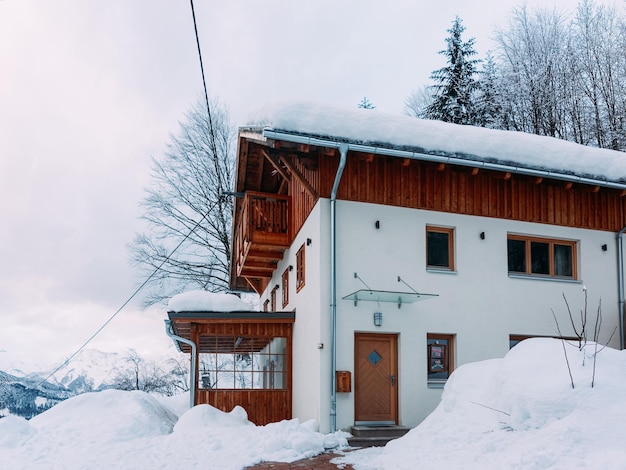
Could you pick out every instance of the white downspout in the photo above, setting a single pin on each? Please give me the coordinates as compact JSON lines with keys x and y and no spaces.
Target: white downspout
{"x":343,"y":152}
{"x":620,"y":281}
{"x":192,"y":381}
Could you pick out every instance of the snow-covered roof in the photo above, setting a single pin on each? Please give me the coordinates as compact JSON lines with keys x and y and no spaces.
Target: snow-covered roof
{"x":459,"y":143}
{"x":203,"y":301}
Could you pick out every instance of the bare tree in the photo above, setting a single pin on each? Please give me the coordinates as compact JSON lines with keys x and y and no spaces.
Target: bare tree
{"x":187,"y":205}
{"x":150,"y":376}
{"x":533,"y":51}
{"x":417,"y":102}
{"x":599,"y":35}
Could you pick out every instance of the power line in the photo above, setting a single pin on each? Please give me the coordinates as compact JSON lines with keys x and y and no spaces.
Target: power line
{"x":206,"y":95}
{"x":165,"y":260}
{"x":213,"y":144}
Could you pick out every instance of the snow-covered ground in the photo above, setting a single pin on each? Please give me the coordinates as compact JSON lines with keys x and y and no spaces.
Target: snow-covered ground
{"x":519,"y":412}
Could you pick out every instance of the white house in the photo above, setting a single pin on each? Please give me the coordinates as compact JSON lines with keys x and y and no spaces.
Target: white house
{"x":394,"y":250}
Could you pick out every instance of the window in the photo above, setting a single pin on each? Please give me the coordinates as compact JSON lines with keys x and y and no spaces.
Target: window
{"x":439,"y":358}
{"x":300,"y":268}
{"x":285,"y":287}
{"x":541,"y":257}
{"x":440,"y":248}
{"x":273,"y":298}
{"x":242,"y":362}
{"x":514,"y":340}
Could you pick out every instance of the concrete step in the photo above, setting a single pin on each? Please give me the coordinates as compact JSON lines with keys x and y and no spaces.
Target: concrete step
{"x":371,"y":436}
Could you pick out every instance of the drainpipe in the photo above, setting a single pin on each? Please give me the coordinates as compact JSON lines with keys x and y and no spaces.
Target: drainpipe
{"x":620,"y":281}
{"x":343,"y":152}
{"x":192,"y":385}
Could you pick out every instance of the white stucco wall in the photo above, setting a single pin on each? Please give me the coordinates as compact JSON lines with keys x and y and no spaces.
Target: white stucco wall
{"x":311,"y":384}
{"x":479,"y":303}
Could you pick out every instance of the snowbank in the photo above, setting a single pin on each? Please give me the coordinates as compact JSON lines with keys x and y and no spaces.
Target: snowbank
{"x":520,"y":412}
{"x":132,"y":430}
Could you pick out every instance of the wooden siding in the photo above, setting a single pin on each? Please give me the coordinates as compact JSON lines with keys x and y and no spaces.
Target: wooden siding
{"x":424,"y":185}
{"x":262,"y":406}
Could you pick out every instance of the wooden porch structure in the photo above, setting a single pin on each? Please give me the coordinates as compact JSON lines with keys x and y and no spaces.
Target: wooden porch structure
{"x":242,"y":358}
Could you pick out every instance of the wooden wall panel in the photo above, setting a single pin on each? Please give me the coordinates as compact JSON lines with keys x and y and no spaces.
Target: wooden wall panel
{"x":425,"y":185}
{"x":262,"y":406}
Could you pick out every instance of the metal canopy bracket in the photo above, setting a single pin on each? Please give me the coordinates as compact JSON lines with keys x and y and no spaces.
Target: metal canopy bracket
{"x":371,"y":295}
{"x":374,"y":295}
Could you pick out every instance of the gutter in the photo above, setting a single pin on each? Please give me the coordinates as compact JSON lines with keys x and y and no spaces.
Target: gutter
{"x":192,"y":373}
{"x":343,"y":153}
{"x":620,"y":282}
{"x":320,"y":142}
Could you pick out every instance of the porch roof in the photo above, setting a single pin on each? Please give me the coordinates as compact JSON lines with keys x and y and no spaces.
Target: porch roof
{"x":213,"y":323}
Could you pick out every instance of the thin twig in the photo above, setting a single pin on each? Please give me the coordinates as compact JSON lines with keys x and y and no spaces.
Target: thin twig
{"x":490,"y":408}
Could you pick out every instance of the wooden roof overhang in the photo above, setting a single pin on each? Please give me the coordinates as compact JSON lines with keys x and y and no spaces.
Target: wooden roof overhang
{"x":266,"y":168}
{"x":231,"y":331}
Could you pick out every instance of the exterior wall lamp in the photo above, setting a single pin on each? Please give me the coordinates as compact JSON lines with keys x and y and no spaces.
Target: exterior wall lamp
{"x":378,"y":318}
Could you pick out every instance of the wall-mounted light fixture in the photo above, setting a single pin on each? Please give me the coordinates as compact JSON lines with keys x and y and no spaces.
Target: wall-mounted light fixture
{"x":482,"y":235}
{"x":308,"y":242}
{"x":291,"y":267}
{"x":604,"y":247}
{"x":377,"y":224}
{"x":378,"y":318}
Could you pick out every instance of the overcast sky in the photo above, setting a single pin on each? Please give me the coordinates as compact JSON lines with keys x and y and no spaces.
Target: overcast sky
{"x":91,"y":89}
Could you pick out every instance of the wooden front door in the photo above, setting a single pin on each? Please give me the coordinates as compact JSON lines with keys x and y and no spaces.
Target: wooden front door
{"x":375,"y":378}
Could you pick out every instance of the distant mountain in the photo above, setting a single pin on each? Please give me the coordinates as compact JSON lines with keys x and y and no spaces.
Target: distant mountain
{"x":27,"y":392}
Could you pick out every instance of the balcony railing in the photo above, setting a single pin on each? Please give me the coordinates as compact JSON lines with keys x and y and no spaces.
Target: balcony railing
{"x":263,"y":233}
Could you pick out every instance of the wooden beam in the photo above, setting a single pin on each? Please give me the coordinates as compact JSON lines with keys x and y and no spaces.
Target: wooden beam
{"x":474,"y":171}
{"x":275,"y":163}
{"x":539,"y":180}
{"x":441,"y":167}
{"x":596,"y":189}
{"x":331,"y":152}
{"x":623,"y":193}
{"x":406,"y":162}
{"x":304,"y":148}
{"x":299,"y":176}
{"x":369,"y":158}
{"x":507,"y":175}
{"x":568,"y":186}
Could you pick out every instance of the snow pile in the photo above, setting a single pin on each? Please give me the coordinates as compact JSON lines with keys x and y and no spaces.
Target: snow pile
{"x":133,"y":430}
{"x":373,"y":127}
{"x":520,"y":412}
{"x":204,"y":301}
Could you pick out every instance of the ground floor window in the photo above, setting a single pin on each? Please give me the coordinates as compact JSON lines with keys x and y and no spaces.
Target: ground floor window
{"x":242,"y":362}
{"x":514,"y":340}
{"x":439,"y":358}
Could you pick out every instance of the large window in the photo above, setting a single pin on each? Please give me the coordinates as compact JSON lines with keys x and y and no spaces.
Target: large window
{"x":439,"y":358}
{"x":541,"y":257}
{"x":242,"y":362}
{"x":440,"y":247}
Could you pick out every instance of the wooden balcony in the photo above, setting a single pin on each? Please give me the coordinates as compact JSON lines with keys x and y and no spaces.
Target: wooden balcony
{"x":262,"y":236}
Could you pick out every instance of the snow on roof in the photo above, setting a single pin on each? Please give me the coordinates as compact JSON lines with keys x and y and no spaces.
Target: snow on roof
{"x":372,"y":127}
{"x":203,"y":301}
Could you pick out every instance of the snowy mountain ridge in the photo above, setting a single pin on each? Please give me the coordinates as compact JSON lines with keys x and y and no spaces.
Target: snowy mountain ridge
{"x":27,"y":390}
